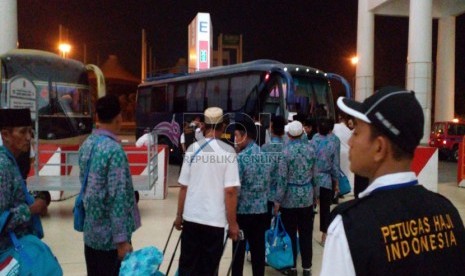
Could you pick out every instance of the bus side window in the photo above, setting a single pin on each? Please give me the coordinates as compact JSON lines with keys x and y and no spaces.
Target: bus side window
{"x":143,"y":100}
{"x":169,"y":98}
{"x":217,"y":93}
{"x":159,"y":99}
{"x":195,"y":96}
{"x":179,"y":98}
{"x":241,"y":87}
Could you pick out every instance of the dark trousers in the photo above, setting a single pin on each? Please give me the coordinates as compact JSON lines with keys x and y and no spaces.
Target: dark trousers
{"x":201,"y":249}
{"x":326,"y":195}
{"x":254,"y":227}
{"x":300,"y":219}
{"x":101,"y":262}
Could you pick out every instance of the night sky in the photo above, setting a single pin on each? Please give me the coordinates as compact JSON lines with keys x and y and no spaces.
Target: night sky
{"x":318,"y":33}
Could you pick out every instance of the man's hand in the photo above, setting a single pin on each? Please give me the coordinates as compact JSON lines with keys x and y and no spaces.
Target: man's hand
{"x":123,"y":249}
{"x":233,"y":231}
{"x":276,"y":208}
{"x":178,"y":222}
{"x":336,"y":187}
{"x":38,"y":207}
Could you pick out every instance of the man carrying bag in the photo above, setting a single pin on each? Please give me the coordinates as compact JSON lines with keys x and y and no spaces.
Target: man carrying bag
{"x":21,"y":229}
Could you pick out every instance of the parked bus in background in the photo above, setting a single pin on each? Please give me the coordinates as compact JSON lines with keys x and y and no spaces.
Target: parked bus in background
{"x":261,"y":87}
{"x":56,"y":90}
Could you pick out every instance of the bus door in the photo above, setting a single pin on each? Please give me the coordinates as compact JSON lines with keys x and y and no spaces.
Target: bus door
{"x":272,"y":97}
{"x":310,"y":97}
{"x":267,"y":96}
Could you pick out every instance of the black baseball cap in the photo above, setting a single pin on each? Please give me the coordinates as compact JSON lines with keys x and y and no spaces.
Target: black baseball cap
{"x":394,"y":111}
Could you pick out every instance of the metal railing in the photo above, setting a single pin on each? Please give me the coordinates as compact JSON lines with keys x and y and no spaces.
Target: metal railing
{"x":59,"y":169}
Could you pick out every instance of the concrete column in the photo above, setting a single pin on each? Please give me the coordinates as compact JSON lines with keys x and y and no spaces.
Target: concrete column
{"x":8,"y":25}
{"x":419,"y":61}
{"x":445,"y":70}
{"x":364,"y":76}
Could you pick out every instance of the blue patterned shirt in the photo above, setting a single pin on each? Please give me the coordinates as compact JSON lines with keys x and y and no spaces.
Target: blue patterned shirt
{"x":109,"y":196}
{"x":273,"y":152}
{"x":327,"y":149}
{"x":253,"y":192}
{"x":295,"y":186}
{"x":12,"y":199}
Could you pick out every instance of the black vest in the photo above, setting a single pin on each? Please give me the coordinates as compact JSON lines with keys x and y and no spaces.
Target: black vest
{"x":405,"y":231}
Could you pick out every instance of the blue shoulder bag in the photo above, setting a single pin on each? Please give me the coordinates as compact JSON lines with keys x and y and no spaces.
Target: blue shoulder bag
{"x":344,"y":185}
{"x":79,"y":213}
{"x":28,"y":255}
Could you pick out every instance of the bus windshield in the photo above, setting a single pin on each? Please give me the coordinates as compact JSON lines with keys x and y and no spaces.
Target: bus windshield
{"x":310,"y":96}
{"x":56,"y":90}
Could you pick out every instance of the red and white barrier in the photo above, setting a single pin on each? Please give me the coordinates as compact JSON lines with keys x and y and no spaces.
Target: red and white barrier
{"x":62,"y":162}
{"x":50,"y":156}
{"x":425,"y":166}
{"x":160,"y":189}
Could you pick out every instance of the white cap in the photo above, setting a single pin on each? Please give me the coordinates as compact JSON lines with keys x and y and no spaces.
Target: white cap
{"x":295,"y":128}
{"x":213,"y":115}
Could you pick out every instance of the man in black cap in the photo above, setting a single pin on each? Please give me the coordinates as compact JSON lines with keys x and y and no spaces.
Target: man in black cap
{"x":15,"y":127}
{"x":111,"y":211}
{"x":396,"y":227}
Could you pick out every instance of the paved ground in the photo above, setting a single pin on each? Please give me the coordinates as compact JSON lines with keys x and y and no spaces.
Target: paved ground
{"x":157,"y":218}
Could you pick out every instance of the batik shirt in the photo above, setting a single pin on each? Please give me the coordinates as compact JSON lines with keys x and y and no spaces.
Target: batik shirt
{"x":252,"y":195}
{"x":327,"y":149}
{"x":12,"y":199}
{"x":295,"y":186}
{"x":273,"y":152}
{"x":111,"y":213}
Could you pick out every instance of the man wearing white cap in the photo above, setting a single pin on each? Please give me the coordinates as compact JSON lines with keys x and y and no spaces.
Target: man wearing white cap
{"x":207,"y":201}
{"x":295,"y":195}
{"x":396,"y":226}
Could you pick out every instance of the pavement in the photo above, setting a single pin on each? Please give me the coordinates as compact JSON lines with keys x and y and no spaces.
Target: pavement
{"x":157,"y":218}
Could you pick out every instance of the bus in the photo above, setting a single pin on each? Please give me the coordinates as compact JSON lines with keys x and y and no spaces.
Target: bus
{"x":55,"y":89}
{"x":261,"y":87}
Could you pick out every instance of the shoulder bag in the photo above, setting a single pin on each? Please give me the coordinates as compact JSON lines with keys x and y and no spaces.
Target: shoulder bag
{"x":344,"y":185}
{"x":79,"y":213}
{"x":28,"y":255}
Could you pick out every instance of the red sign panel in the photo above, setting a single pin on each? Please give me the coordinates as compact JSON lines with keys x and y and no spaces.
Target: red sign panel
{"x":203,"y":54}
